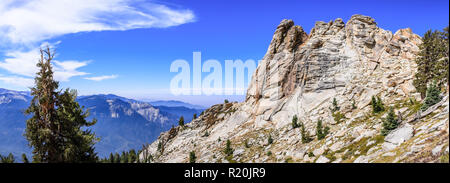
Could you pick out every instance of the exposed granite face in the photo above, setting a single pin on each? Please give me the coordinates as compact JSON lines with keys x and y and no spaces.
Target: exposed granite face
{"x":300,"y":75}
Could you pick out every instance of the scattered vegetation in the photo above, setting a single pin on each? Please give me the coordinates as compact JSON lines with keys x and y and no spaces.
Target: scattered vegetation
{"x":338,"y":117}
{"x":444,"y":158}
{"x":269,"y":153}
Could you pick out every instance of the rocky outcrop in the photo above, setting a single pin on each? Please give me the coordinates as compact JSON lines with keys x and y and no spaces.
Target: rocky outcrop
{"x":300,"y":75}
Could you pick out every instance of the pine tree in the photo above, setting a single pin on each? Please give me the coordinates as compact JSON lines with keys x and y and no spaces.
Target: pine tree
{"x":270,"y":140}
{"x":116,"y":158}
{"x":294,"y":122}
{"x":321,"y":131}
{"x":24,"y":158}
{"x":305,"y":134}
{"x":124,"y":157}
{"x":132,"y":157}
{"x":228,"y":150}
{"x":181,"y":121}
{"x":55,"y":128}
{"x":335,"y":105}
{"x":432,"y":60}
{"x":7,"y":159}
{"x":192,"y":157}
{"x":377,"y":105}
{"x":195,"y":116}
{"x":432,"y":96}
{"x":380,"y":105}
{"x":111,"y":158}
{"x":390,"y":123}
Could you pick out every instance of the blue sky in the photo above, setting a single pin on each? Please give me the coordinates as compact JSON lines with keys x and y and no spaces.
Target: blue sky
{"x":132,"y":53}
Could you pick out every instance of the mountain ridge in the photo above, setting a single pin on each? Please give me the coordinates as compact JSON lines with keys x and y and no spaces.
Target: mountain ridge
{"x":301,"y":75}
{"x":123,"y":123}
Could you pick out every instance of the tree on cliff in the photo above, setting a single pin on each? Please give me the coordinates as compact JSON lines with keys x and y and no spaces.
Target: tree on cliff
{"x":432,"y":61}
{"x":54,"y":130}
{"x":181,"y":121}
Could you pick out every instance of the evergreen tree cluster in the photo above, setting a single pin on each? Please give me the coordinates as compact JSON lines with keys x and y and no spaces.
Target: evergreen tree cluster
{"x":7,"y":159}
{"x":377,"y":105}
{"x":432,"y":60}
{"x":130,"y":156}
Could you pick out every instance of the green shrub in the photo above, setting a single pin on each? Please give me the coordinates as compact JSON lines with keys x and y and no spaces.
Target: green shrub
{"x":270,"y":140}
{"x":338,"y":117}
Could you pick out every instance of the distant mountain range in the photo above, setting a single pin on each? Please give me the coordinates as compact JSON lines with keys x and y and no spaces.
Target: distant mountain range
{"x":122,"y":124}
{"x":175,"y":103}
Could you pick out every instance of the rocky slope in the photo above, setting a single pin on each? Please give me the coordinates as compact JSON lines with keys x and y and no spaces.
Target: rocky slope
{"x":300,"y":75}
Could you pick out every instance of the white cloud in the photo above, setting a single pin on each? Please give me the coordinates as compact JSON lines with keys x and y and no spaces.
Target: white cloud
{"x":101,"y":78}
{"x":67,"y":69}
{"x":24,"y":22}
{"x":24,"y":64}
{"x":18,"y":81}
